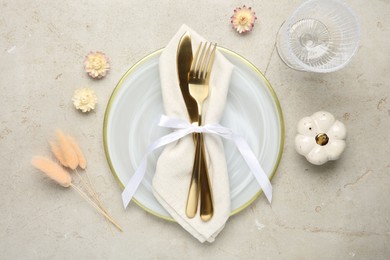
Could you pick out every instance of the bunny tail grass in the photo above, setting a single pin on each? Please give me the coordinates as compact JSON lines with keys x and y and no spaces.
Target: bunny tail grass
{"x":53,"y":170}
{"x":67,"y":150}
{"x":82,"y":194}
{"x":56,"y":150}
{"x":91,"y":191}
{"x":79,"y":153}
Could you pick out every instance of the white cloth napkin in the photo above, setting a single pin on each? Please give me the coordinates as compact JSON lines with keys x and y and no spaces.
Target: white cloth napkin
{"x":174,"y":166}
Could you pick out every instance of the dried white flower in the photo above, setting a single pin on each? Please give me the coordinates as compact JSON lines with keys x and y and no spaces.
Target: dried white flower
{"x":84,"y":99}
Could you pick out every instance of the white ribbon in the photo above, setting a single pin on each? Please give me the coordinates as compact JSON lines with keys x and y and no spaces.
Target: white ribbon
{"x":184,"y":128}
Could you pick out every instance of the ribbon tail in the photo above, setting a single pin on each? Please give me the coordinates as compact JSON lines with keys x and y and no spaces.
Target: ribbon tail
{"x":133,"y":184}
{"x":254,"y":166}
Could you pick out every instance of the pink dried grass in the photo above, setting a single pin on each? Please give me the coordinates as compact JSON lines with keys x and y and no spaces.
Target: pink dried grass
{"x":67,"y":147}
{"x":56,"y":150}
{"x":52,"y":170}
{"x":80,"y":156}
{"x":68,"y":153}
{"x":67,"y":150}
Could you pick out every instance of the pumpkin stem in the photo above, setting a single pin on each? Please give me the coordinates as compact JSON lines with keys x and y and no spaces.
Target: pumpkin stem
{"x":322,"y":139}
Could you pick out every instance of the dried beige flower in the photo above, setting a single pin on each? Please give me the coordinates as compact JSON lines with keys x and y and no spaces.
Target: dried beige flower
{"x":96,"y":64}
{"x":84,"y":99}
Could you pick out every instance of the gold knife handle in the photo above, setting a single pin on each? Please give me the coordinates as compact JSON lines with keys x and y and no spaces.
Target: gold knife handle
{"x":206,"y":194}
{"x":193,"y":192}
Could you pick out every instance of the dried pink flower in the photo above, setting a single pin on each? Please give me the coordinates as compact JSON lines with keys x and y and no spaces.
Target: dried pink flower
{"x":243,"y":19}
{"x":96,"y":64}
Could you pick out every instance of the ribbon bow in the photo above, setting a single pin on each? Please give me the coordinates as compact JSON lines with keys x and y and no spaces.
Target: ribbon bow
{"x":184,"y":128}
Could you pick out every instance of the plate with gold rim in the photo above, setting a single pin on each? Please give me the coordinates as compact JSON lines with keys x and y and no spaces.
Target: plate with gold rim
{"x":135,"y":106}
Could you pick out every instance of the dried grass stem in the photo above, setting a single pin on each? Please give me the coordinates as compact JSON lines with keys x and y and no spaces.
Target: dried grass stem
{"x":82,"y":194}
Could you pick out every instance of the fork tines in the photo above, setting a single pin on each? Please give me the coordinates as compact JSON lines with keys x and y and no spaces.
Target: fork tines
{"x":203,"y":61}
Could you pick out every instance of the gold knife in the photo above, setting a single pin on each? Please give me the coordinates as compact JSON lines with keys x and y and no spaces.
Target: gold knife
{"x":184,"y":60}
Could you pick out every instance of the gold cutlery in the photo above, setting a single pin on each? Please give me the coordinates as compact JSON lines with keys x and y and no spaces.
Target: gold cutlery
{"x":198,"y":85}
{"x":184,"y":61}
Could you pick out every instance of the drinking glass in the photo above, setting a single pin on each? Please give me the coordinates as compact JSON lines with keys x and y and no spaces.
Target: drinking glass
{"x":320,"y":36}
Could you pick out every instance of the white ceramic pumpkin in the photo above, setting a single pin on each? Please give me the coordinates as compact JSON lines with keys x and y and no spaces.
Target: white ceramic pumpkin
{"x":320,"y":138}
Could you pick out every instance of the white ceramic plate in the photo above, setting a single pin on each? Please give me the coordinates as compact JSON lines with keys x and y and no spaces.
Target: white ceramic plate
{"x":252,"y":111}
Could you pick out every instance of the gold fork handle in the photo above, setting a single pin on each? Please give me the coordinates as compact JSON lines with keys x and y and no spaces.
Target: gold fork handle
{"x":193,"y":192}
{"x":206,"y":194}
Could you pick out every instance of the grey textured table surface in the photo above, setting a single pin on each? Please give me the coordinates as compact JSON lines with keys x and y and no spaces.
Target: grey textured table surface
{"x":337,"y":211}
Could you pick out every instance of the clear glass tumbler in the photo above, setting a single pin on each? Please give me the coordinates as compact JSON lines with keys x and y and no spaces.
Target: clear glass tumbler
{"x":320,"y":36}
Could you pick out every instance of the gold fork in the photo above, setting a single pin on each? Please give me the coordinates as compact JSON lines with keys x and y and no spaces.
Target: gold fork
{"x":198,"y":84}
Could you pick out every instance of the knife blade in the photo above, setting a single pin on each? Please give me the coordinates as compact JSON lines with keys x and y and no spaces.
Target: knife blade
{"x":184,"y":60}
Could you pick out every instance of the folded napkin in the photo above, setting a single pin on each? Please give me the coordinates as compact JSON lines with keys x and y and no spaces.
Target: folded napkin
{"x":174,"y":166}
